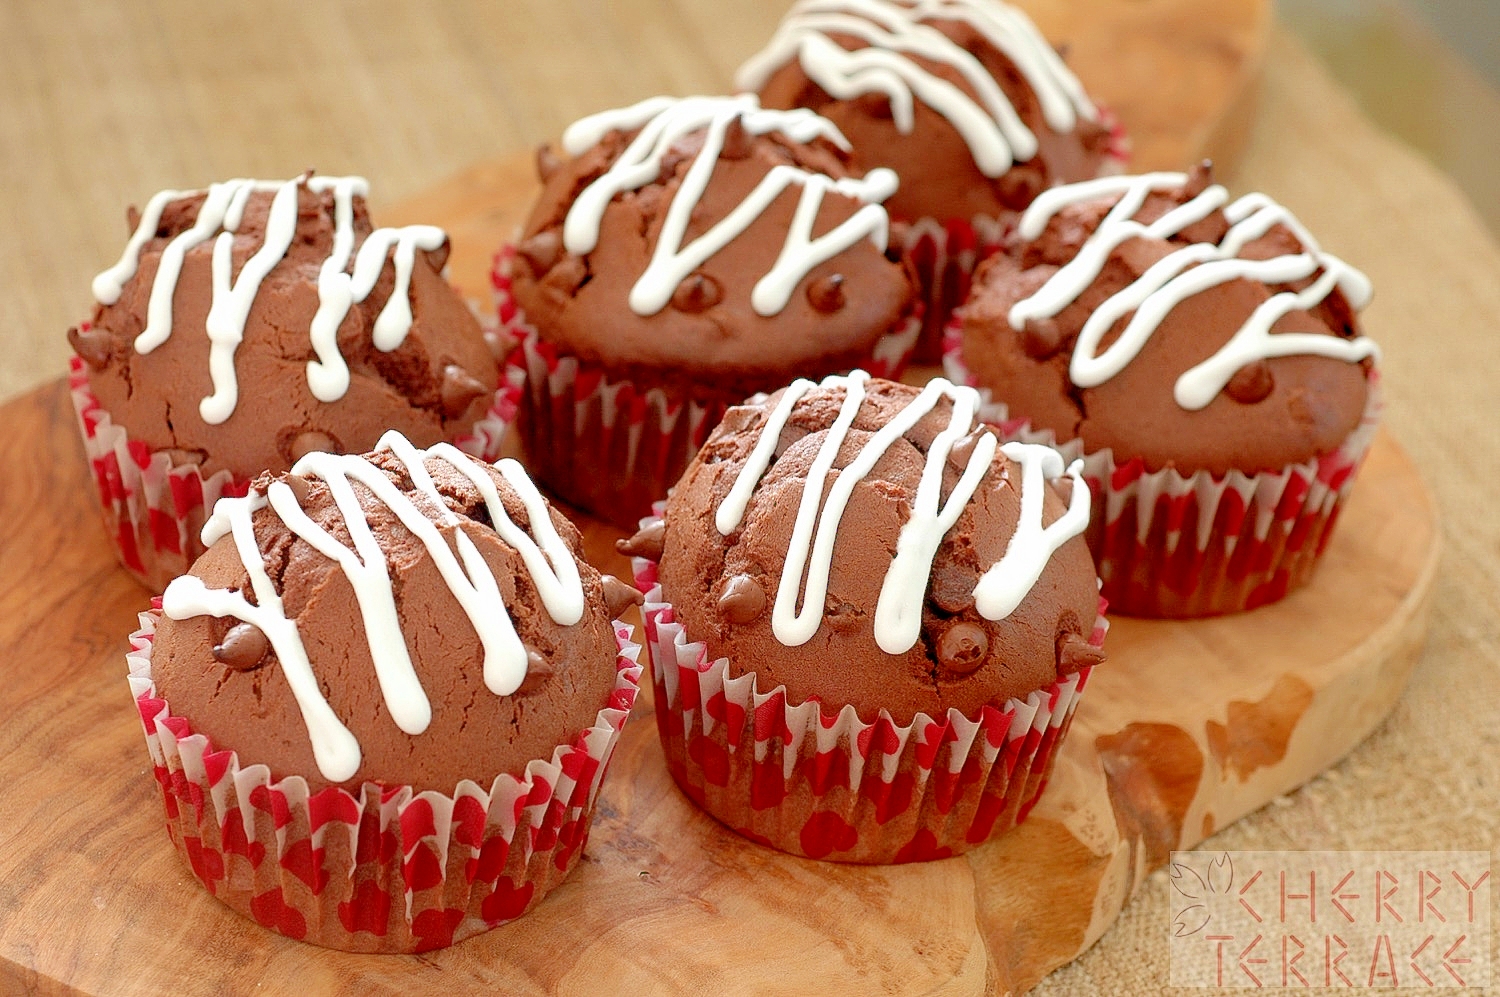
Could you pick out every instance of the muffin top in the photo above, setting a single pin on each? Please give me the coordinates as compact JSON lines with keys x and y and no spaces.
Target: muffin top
{"x":407,"y":617}
{"x":865,"y":542}
{"x":250,"y":323}
{"x":1152,"y":316}
{"x":706,"y":235}
{"x":964,"y":99}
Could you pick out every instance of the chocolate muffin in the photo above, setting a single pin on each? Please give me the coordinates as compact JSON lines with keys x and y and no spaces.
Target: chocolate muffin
{"x":964,"y":99}
{"x":865,"y":557}
{"x":482,"y":666}
{"x":251,"y":323}
{"x":689,"y":253}
{"x":1204,"y":355}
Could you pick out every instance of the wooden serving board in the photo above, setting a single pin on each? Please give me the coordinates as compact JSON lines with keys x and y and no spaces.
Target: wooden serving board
{"x":1188,"y":726}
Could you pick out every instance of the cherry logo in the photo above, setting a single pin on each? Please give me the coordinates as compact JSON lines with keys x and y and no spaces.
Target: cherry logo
{"x":1190,"y":913}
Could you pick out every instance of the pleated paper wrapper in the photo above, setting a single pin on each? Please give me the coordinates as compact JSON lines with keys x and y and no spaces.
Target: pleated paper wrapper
{"x":827,"y":785}
{"x":389,"y":869}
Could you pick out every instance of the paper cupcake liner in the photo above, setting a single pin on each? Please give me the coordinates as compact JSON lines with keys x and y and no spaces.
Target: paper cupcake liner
{"x":945,"y":252}
{"x":831,"y":786}
{"x":612,"y":446}
{"x":1176,"y":546}
{"x":388,"y":870}
{"x":154,"y":507}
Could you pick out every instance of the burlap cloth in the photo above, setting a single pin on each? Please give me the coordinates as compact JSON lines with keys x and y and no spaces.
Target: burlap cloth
{"x":1429,"y":778}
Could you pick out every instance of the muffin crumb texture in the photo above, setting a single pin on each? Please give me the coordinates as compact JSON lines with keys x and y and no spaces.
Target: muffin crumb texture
{"x":415,"y":674}
{"x":723,"y":569}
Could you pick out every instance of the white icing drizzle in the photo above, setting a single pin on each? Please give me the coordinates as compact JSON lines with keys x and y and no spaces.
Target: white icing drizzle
{"x":898,"y":611}
{"x":220,"y":215}
{"x":1005,"y":584}
{"x":1178,"y":276}
{"x":468,"y":576}
{"x":665,"y":121}
{"x":895,"y":37}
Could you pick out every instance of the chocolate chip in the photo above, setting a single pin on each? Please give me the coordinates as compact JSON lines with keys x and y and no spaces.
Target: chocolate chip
{"x":244,"y":647}
{"x":618,"y":596}
{"x":538,"y":671}
{"x":1041,"y":338}
{"x":826,"y":294}
{"x":547,"y":162}
{"x":1251,"y":383}
{"x":963,"y":647}
{"x":541,"y":251}
{"x":567,"y":276}
{"x":877,"y":105}
{"x":952,"y":587}
{"x":743,"y":600}
{"x":959,"y":454}
{"x":459,"y":390}
{"x":183,"y":456}
{"x":1020,"y":186}
{"x":308,"y":441}
{"x":1198,"y":179}
{"x":646,"y":543}
{"x":737,"y":141}
{"x":91,"y":344}
{"x":698,"y":292}
{"x":299,"y":486}
{"x":438,"y":258}
{"x":1075,"y":652}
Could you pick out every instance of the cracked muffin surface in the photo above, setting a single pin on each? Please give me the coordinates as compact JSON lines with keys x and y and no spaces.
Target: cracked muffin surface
{"x":1136,"y":243}
{"x":227,"y":678}
{"x":725,"y":585}
{"x":203,"y":306}
{"x":710,"y":338}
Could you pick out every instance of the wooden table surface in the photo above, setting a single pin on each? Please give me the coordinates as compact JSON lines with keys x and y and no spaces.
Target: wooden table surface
{"x":101,"y":105}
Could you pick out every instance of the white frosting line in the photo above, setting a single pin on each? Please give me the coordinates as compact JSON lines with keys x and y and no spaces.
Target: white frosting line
{"x":898,"y":611}
{"x":663,"y":122}
{"x":467,"y":575}
{"x":732,"y":510}
{"x":394,"y":320}
{"x":894,"y":37}
{"x":335,"y":749}
{"x":1006,"y":583}
{"x":1181,"y":274}
{"x":898,"y":617}
{"x":328,"y":376}
{"x":231,"y":301}
{"x":212,"y":216}
{"x":108,"y":284}
{"x":790,"y":626}
{"x":338,"y":291}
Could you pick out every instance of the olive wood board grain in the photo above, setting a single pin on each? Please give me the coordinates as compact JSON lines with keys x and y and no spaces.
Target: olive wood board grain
{"x":1187,"y":727}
